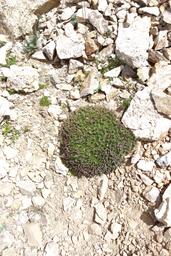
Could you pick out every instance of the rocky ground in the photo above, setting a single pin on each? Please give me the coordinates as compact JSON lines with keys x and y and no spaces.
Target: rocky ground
{"x":55,"y":57}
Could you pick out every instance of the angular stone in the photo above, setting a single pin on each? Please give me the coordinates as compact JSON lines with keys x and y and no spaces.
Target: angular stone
{"x":22,"y":79}
{"x":5,"y":106}
{"x":152,"y":194}
{"x":133,"y":42}
{"x":165,"y":160}
{"x":68,"y":48}
{"x":115,"y":72}
{"x":26,"y":186}
{"x":145,"y":165}
{"x":90,"y":46}
{"x":163,"y":213}
{"x":33,"y":233}
{"x":167,"y":16}
{"x":74,"y":65}
{"x":91,"y":84}
{"x":149,"y":10}
{"x":60,"y":167}
{"x":3,"y":52}
{"x":162,"y":102}
{"x":49,"y":50}
{"x":51,"y":249}
{"x":100,"y":214}
{"x":143,"y":119}
{"x":96,"y":19}
{"x":103,"y":187}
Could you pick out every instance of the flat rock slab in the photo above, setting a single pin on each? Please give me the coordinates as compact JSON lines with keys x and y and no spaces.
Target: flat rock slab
{"x":21,"y":79}
{"x":133,"y":41}
{"x":143,"y":119}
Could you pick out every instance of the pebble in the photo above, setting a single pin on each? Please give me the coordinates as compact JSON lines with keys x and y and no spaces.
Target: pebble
{"x":100,"y":214}
{"x":165,"y":160}
{"x":146,"y":165}
{"x":103,"y":187}
{"x":38,"y":201}
{"x":51,"y":249}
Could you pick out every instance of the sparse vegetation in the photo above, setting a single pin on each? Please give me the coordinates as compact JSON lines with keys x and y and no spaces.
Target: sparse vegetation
{"x":43,"y":86}
{"x":9,"y":131}
{"x":112,"y":63}
{"x":126,"y":103}
{"x":11,"y":60}
{"x":94,"y":142}
{"x":31,"y":45}
{"x":45,"y":102}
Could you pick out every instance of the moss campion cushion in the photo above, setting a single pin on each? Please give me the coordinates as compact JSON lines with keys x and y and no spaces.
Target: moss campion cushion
{"x":93,"y":142}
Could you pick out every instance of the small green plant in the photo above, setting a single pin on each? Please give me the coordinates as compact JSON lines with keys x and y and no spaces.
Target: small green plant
{"x":45,"y":102}
{"x":31,"y":45}
{"x":93,"y":142}
{"x":2,"y":43}
{"x":112,"y":63}
{"x":74,"y":21}
{"x":11,"y":60}
{"x":9,"y":131}
{"x":43,"y":86}
{"x":126,"y":103}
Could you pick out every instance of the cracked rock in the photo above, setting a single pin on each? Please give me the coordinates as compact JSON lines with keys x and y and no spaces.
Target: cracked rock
{"x":100,"y":214}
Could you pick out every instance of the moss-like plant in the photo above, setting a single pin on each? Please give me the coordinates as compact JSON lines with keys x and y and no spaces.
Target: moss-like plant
{"x":93,"y":142}
{"x":44,"y":101}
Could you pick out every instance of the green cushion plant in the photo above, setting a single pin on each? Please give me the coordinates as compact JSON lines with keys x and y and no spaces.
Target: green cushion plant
{"x":93,"y":142}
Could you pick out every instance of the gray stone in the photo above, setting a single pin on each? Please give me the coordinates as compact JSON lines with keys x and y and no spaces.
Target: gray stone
{"x":26,"y":186}
{"x":162,"y":102}
{"x":133,"y":42}
{"x":69,"y":48}
{"x":91,"y":84}
{"x":165,"y":160}
{"x":96,"y":19}
{"x":49,"y":50}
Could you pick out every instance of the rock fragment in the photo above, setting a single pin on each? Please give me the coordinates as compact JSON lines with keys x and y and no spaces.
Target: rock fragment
{"x":162,"y":102}
{"x":165,"y":160}
{"x":5,"y":106}
{"x":96,"y":19}
{"x":133,"y":42}
{"x":69,"y":48}
{"x":103,"y":187}
{"x":100,"y":214}
{"x":143,"y":119}
{"x":145,"y":165}
{"x":91,"y":84}
{"x":33,"y":233}
{"x":60,"y":167}
{"x":22,"y":79}
{"x":51,"y":249}
{"x":152,"y":194}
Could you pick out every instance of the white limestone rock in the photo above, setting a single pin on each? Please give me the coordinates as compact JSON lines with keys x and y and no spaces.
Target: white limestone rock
{"x":33,"y":234}
{"x":21,"y":79}
{"x":100,"y":213}
{"x":145,"y":165}
{"x":5,"y":106}
{"x":133,"y":42}
{"x":152,"y":194}
{"x":143,"y":119}
{"x":165,"y":160}
{"x":69,"y":48}
{"x":97,"y":20}
{"x":60,"y":167}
